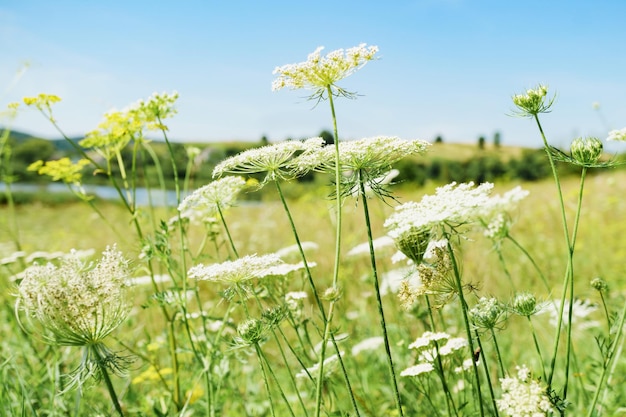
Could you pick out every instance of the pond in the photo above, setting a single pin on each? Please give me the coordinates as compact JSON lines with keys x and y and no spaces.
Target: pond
{"x":144,"y":197}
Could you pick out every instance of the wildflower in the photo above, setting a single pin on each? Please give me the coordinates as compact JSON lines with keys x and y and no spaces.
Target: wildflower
{"x":295,"y":249}
{"x":61,"y":170}
{"x":330,"y":366}
{"x":533,"y":102}
{"x":599,"y":284}
{"x":426,"y":339}
{"x":525,"y":304}
{"x":392,"y":280}
{"x":157,"y":107}
{"x":452,"y":205}
{"x":76,"y":303}
{"x":619,"y":135}
{"x":366,"y":161}
{"x":523,"y":396}
{"x":238,"y":271}
{"x":586,"y":151}
{"x":452,"y":345}
{"x":581,"y":310}
{"x":250,"y":332}
{"x":43,"y":102}
{"x":369,"y":344}
{"x":116,"y":131}
{"x":494,"y":215}
{"x":421,"y":368}
{"x":364,"y":248}
{"x":206,"y":203}
{"x":321,"y":74}
{"x":487,"y":313}
{"x":276,"y":161}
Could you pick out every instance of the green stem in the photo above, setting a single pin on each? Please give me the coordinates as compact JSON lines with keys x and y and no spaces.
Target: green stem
{"x":610,"y":357}
{"x":273,"y":375}
{"x":230,"y":238}
{"x":498,"y":355}
{"x":532,"y":261}
{"x":459,"y":285}
{"x":265,"y":381}
{"x":532,"y":330}
{"x":487,"y":374}
{"x":379,"y":302}
{"x":107,"y":379}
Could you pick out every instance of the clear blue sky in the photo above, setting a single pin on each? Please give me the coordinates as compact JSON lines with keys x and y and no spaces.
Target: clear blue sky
{"x":446,"y":67}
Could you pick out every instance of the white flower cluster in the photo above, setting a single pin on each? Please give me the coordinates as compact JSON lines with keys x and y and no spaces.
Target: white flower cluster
{"x":619,"y":135}
{"x":237,"y":271}
{"x":523,"y":396}
{"x":77,"y":303}
{"x":431,"y":345}
{"x":205,"y":203}
{"x":454,"y":204}
{"x":276,"y":160}
{"x":319,"y":72}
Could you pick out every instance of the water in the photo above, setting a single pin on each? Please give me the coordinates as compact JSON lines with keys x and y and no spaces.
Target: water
{"x":106,"y":192}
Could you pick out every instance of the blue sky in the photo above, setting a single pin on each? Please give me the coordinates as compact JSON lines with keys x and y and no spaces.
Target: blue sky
{"x":446,"y":67}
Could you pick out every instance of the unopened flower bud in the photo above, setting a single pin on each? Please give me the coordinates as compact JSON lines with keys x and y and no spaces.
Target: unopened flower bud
{"x":525,"y":304}
{"x":586,"y":150}
{"x":414,"y":244}
{"x":599,"y":284}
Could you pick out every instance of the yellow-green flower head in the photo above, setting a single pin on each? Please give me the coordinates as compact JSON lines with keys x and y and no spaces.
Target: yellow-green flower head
{"x":599,"y":284}
{"x":114,"y":132}
{"x":205,"y":203}
{"x":319,"y":73}
{"x":619,"y":135}
{"x":238,"y":271}
{"x":533,"y":102}
{"x":586,"y":151}
{"x":61,"y":170}
{"x":276,"y":161}
{"x":42,"y":101}
{"x":76,"y":303}
{"x":156,"y":108}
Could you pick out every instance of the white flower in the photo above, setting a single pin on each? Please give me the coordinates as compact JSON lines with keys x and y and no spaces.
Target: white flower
{"x":581,"y":311}
{"x":454,"y":344}
{"x":391,"y":280}
{"x":319,"y":73}
{"x":295,"y":250}
{"x":427,"y":338}
{"x":523,"y":396}
{"x":330,"y":365}
{"x":240,"y":270}
{"x":364,"y":248}
{"x":205,"y":203}
{"x":619,"y":135}
{"x":420,"y":368}
{"x":368,"y":344}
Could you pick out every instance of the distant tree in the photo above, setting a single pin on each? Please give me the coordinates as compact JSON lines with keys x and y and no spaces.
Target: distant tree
{"x":496,"y":140}
{"x":264,"y":140}
{"x":481,"y":143}
{"x":438,"y":139}
{"x":328,"y":137}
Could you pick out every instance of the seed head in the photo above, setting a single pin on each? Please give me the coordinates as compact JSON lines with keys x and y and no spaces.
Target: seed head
{"x":586,"y":151}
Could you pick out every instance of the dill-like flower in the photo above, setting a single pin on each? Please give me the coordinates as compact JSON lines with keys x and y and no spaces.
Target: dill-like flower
{"x":619,"y":135}
{"x":319,"y":73}
{"x":369,"y":344}
{"x":44,"y":103}
{"x":276,"y":161}
{"x":533,"y":102}
{"x":61,"y":170}
{"x":238,"y":271}
{"x":494,"y":215}
{"x":76,"y":304}
{"x":367,"y":160}
{"x":523,"y":396}
{"x":205,"y":203}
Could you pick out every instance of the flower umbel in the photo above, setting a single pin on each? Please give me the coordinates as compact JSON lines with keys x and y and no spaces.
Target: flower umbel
{"x":76,"y":303}
{"x":533,"y":102}
{"x":619,"y":135}
{"x":238,"y":271}
{"x":319,"y":73}
{"x":523,"y":396}
{"x":205,"y":203}
{"x":61,"y":170}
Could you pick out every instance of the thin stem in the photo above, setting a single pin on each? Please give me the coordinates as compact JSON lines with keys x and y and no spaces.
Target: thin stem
{"x":379,"y":301}
{"x":230,"y":238}
{"x":459,"y":285}
{"x":273,"y":375}
{"x":107,"y":379}
{"x":532,"y":261}
{"x":487,"y":374}
{"x":532,"y":330}
{"x":498,"y":355}
{"x":265,"y":381}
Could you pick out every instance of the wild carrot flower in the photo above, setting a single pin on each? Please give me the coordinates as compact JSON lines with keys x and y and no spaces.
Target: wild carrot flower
{"x":495,"y":215}
{"x":420,"y":368}
{"x":319,"y":73}
{"x":525,"y":304}
{"x":205,"y":203}
{"x":276,"y":161}
{"x":330,"y":367}
{"x":523,"y":396}
{"x":369,"y":344}
{"x":586,"y":151}
{"x":618,"y":134}
{"x":487,"y":313}
{"x":453,"y":204}
{"x":238,"y":271}
{"x":366,"y":160}
{"x":76,"y":303}
{"x":533,"y":102}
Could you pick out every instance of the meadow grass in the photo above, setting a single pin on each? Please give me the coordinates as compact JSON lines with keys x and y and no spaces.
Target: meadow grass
{"x":339,"y":300}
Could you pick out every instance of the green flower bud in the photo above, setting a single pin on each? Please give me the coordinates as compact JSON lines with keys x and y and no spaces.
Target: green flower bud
{"x":251,"y":331}
{"x":599,"y":284}
{"x":487,"y":313}
{"x":413,"y":244}
{"x":525,"y":304}
{"x":586,"y":150}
